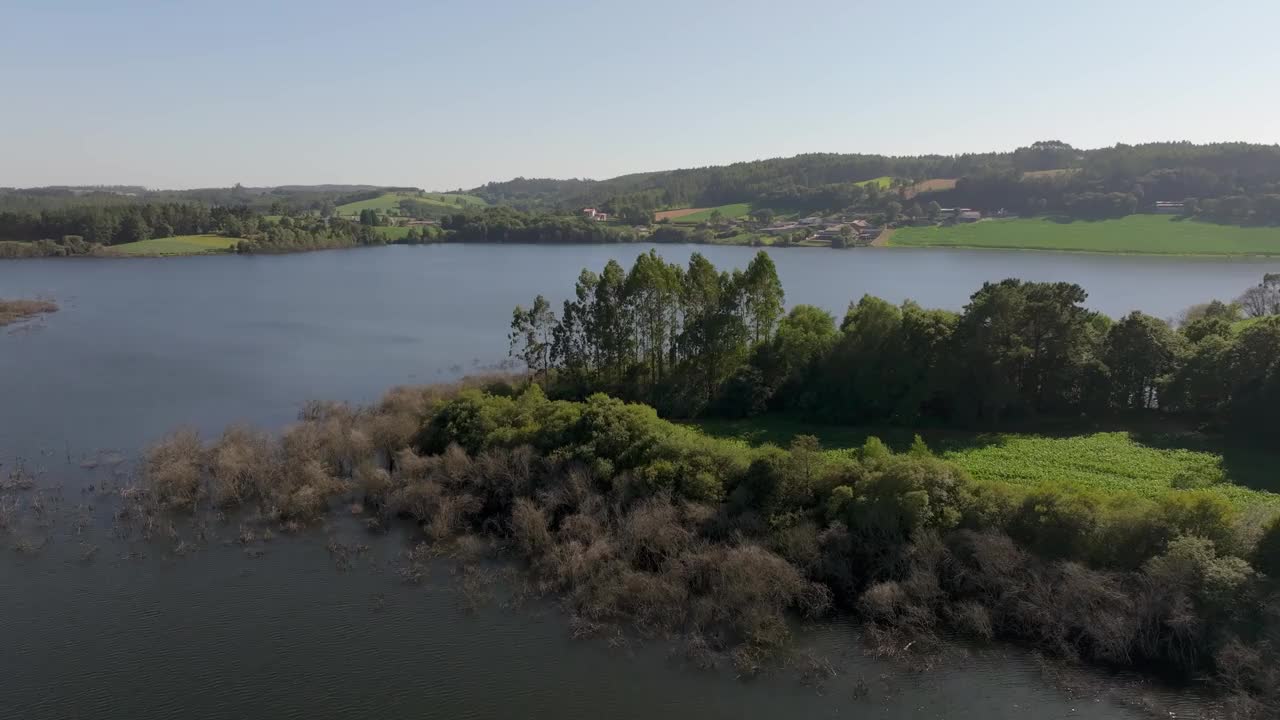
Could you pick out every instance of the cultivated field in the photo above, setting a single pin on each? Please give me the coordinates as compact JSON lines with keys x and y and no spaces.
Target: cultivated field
{"x":736,"y":210}
{"x":1112,"y":462}
{"x":1137,"y":234}
{"x":179,"y":245}
{"x":928,"y":186}
{"x":674,"y":214}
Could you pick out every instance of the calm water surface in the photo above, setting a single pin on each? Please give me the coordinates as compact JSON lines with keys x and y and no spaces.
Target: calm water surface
{"x":143,"y":346}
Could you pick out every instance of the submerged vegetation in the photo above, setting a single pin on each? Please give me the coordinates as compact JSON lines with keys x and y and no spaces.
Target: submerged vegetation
{"x":631,"y":519}
{"x":12,"y":311}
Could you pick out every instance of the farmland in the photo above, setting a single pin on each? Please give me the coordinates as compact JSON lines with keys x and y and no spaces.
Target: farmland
{"x":1136,"y":234}
{"x":736,"y":210}
{"x":180,"y":245}
{"x":1108,"y":462}
{"x":390,"y":202}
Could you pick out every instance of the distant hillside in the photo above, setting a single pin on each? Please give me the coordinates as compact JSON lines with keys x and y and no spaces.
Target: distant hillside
{"x":1240,"y":180}
{"x":415,"y":204}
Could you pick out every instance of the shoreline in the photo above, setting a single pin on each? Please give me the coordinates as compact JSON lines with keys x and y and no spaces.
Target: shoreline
{"x":878,"y":245}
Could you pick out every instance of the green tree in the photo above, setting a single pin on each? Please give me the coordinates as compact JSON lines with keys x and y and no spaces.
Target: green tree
{"x":531,"y":335}
{"x":1141,"y":350}
{"x":763,"y":296}
{"x":133,"y":228}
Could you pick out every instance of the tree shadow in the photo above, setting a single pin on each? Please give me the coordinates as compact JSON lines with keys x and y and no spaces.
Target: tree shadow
{"x":1247,"y":466}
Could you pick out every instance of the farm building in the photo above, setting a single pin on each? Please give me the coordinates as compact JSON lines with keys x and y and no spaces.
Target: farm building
{"x":1169,"y":207}
{"x":968,"y":216}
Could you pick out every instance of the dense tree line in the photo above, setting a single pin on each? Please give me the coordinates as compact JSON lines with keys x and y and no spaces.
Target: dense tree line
{"x":113,"y":224}
{"x":695,"y":340}
{"x":507,"y":225}
{"x":1225,"y":182}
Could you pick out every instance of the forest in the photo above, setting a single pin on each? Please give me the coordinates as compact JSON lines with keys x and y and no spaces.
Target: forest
{"x":1232,"y":183}
{"x":1225,"y":182}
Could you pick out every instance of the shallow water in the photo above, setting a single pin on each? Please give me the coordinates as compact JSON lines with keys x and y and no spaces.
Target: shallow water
{"x":141,"y":347}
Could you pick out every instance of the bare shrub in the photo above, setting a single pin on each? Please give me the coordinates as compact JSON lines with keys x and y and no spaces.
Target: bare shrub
{"x":455,"y":466}
{"x":240,"y":466}
{"x":500,"y":475}
{"x":450,"y":515}
{"x":373,"y":483}
{"x":699,"y":652}
{"x":971,"y":618}
{"x":529,"y":529}
{"x":173,"y":469}
{"x":411,"y":466}
{"x":581,"y":528}
{"x":883,"y":601}
{"x":799,"y":545}
{"x":651,"y":534}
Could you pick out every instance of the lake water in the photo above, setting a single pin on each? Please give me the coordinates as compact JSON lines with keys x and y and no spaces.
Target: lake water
{"x":143,"y":346}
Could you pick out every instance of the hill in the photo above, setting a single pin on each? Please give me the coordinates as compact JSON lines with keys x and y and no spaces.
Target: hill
{"x":1230,"y":182}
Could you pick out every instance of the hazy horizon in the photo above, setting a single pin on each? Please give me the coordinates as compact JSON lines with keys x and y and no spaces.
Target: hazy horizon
{"x":442,"y":97}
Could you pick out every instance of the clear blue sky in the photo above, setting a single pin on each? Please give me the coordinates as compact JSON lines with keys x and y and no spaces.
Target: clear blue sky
{"x":448,"y":94}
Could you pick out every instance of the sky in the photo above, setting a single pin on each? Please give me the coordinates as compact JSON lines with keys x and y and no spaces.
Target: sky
{"x":442,"y":95}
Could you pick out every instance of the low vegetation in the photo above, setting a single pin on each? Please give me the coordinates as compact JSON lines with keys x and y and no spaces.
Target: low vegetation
{"x":12,"y":311}
{"x":1130,"y":463}
{"x":631,"y":519}
{"x":178,"y":245}
{"x":1138,"y":234}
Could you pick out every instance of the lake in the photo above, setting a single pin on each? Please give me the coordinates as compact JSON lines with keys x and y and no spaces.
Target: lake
{"x":143,"y":346}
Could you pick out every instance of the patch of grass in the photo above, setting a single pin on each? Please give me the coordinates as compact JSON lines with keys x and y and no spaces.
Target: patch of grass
{"x":735,"y":210}
{"x":1108,"y":462}
{"x":179,"y":245}
{"x":884,"y":182}
{"x":1138,"y":234}
{"x":1104,"y":461}
{"x":390,"y":202}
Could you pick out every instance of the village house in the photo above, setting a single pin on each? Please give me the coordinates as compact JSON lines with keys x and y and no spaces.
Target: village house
{"x":594,"y":214}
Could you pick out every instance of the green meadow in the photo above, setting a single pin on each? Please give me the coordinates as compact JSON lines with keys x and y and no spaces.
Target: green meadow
{"x":1108,"y":462}
{"x":1136,"y":234}
{"x":390,"y":202}
{"x":179,"y":245}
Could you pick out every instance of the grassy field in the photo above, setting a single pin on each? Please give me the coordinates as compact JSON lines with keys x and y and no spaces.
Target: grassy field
{"x":387,"y":202}
{"x":736,"y":210}
{"x":1106,"y":461}
{"x":883,"y":182}
{"x":1137,"y":234}
{"x":180,"y":245}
